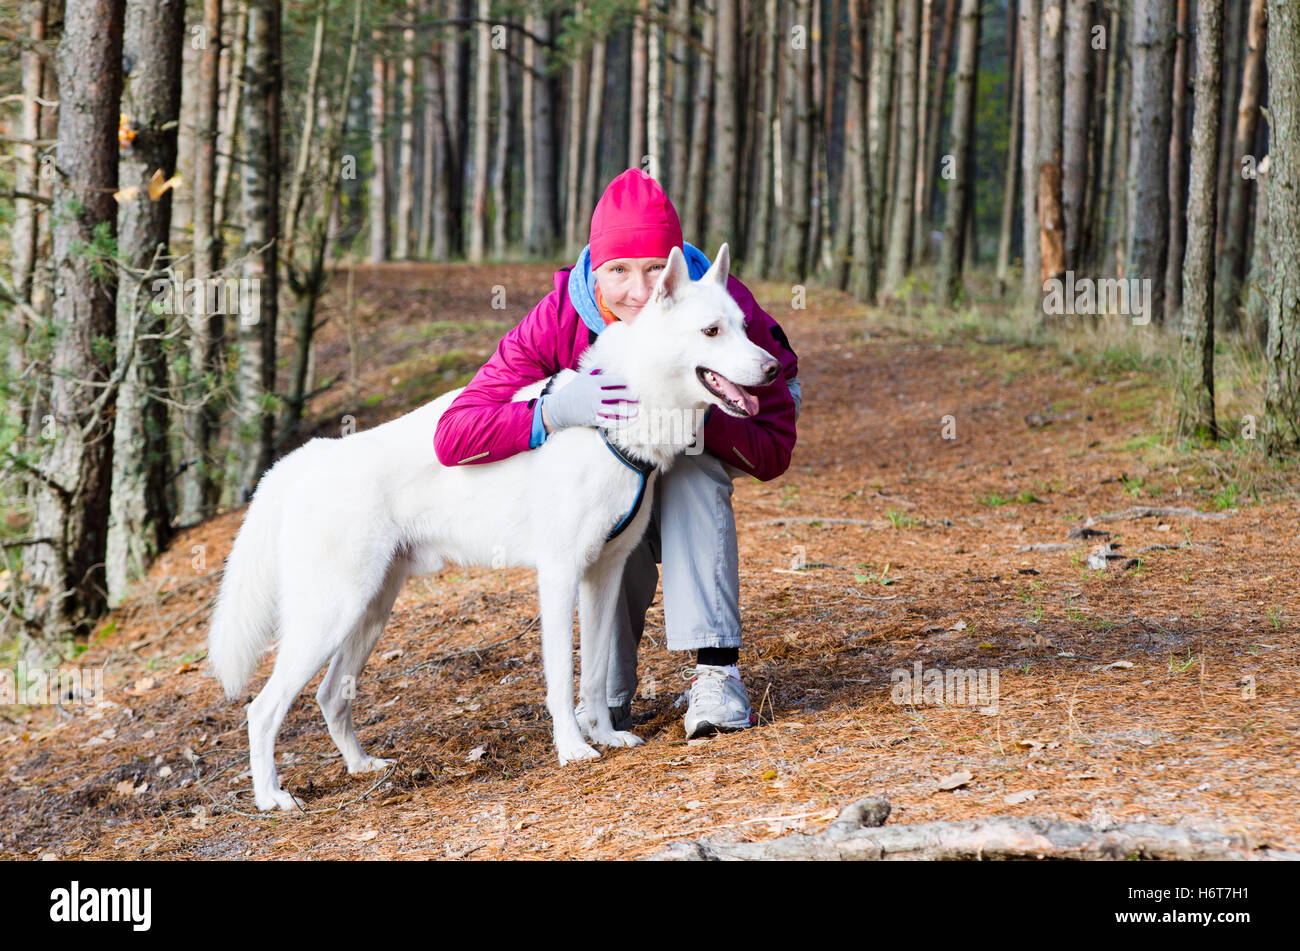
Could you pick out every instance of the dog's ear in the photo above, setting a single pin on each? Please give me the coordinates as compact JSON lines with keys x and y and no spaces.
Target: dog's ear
{"x":720,"y":268}
{"x":674,"y":279}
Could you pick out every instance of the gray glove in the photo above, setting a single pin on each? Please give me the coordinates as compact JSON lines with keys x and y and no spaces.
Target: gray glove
{"x":590,"y":399}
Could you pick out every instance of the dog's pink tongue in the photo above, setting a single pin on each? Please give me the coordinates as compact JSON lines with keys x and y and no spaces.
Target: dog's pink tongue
{"x":738,"y":395}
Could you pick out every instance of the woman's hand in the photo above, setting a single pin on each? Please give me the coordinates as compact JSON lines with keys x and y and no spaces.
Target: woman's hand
{"x":592,"y":399}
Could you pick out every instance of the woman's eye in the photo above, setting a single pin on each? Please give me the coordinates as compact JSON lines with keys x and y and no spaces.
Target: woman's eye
{"x":710,"y":331}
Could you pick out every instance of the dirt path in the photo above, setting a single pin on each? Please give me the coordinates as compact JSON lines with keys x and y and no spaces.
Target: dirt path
{"x":1163,"y":691}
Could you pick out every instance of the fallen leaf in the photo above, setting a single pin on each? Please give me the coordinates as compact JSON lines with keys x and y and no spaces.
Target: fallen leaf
{"x":124,"y":788}
{"x":956,"y":780}
{"x":164,"y":772}
{"x":476,"y":754}
{"x":1015,"y":799}
{"x":1083,"y":776}
{"x":363,"y":836}
{"x":770,"y":774}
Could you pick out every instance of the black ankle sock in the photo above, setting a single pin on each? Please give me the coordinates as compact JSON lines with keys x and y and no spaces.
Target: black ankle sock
{"x":717,"y":656}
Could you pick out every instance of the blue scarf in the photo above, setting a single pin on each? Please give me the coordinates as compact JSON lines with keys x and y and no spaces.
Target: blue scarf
{"x":582,"y":283}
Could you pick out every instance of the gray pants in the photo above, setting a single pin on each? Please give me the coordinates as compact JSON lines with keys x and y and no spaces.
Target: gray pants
{"x":692,"y":533}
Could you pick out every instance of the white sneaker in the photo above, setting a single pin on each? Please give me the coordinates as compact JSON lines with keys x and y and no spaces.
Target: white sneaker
{"x":719,"y":702}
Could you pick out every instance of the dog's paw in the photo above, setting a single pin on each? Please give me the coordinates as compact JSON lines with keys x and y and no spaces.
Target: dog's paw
{"x":278,"y":799}
{"x":572,"y":752}
{"x":617,"y":738}
{"x":370,"y":764}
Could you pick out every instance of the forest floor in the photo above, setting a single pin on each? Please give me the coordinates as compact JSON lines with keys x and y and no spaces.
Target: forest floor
{"x":1162,"y":689}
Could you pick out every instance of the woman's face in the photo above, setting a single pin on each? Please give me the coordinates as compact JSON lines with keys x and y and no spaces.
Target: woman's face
{"x":626,"y":284}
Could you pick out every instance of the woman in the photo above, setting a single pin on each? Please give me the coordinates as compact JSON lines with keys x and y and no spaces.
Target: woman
{"x":692,"y":528}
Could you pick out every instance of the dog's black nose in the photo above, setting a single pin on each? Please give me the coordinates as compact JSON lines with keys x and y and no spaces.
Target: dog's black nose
{"x":770,"y":371}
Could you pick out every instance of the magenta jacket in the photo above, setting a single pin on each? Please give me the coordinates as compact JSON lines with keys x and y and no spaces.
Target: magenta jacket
{"x":483,"y":425}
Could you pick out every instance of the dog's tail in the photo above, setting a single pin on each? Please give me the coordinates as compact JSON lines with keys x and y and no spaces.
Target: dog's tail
{"x":245,"y":616}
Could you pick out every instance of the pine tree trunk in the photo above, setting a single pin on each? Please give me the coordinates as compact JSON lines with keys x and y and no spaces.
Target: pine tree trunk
{"x":1282,"y":392}
{"x":930,"y":157}
{"x":1115,"y":241}
{"x":1233,"y":49}
{"x":591,"y":182}
{"x":1029,"y":26}
{"x":541,"y":236}
{"x":66,"y":585}
{"x":680,"y":101}
{"x":1260,"y":282}
{"x":761,"y":243}
{"x":298,"y":184}
{"x":1074,"y":153}
{"x":636,"y":142}
{"x":721,"y":205}
{"x":406,"y":145}
{"x":900,"y":234}
{"x":961,"y":188}
{"x":880,"y":109}
{"x":1011,"y":179}
{"x":656,"y":96}
{"x":260,"y":181}
{"x":1051,"y":78}
{"x":443,"y":168}
{"x":139,"y":523}
{"x":1232,"y":256}
{"x":697,"y":169}
{"x":379,"y":153}
{"x":428,"y":137}
{"x":921,"y":221}
{"x":481,"y":134}
{"x":1103,"y":162}
{"x":1196,"y":367}
{"x":1147,"y":243}
{"x":456,"y":61}
{"x":196,"y":494}
{"x":862,"y":281}
{"x":578,"y":79}
{"x":501,"y":161}
{"x":798,"y":230}
{"x":26,"y":212}
{"x":223,"y":189}
{"x":1178,"y":149}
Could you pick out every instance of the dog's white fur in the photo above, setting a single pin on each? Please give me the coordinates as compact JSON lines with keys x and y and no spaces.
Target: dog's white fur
{"x":337,"y":526}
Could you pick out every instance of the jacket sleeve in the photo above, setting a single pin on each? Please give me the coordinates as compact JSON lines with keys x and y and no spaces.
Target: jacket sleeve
{"x":483,"y":424}
{"x":762,"y":444}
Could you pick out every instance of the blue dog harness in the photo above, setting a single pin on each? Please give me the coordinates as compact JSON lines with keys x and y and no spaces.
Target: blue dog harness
{"x":643,"y":469}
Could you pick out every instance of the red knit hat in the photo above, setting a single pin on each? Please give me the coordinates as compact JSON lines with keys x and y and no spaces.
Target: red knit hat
{"x":633,"y":219}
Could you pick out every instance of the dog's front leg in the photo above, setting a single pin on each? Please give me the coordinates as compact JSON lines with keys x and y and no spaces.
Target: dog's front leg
{"x":557,"y":587}
{"x":597,"y":602}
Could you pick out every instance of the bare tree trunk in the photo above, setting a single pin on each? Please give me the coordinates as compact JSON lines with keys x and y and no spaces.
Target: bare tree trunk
{"x":197,"y":494}
{"x":1148,"y":171}
{"x":1115,"y":240}
{"x":1032,"y":256}
{"x":578,"y":80}
{"x":66,"y":585}
{"x":1282,"y":392}
{"x":1009,"y":189}
{"x":481,"y":133}
{"x":298,"y":184}
{"x":1232,"y":257}
{"x":1260,"y":283}
{"x":224,"y":192}
{"x":799,"y":214}
{"x":139,"y":523}
{"x":406,"y":145}
{"x":429,"y":119}
{"x":697,"y":168}
{"x":920,"y":220}
{"x":590,"y":147}
{"x":962,"y":187}
{"x":1233,"y":50}
{"x":1178,"y":149}
{"x":880,"y":109}
{"x":721,"y":205}
{"x":636,"y":132}
{"x":444,"y":169}
{"x":501,"y":162}
{"x":26,"y":212}
{"x":862,"y":283}
{"x":378,"y":152}
{"x":1051,"y":216}
{"x":930,"y":156}
{"x":1074,"y":153}
{"x":656,"y":133}
{"x":900,"y":236}
{"x":456,"y":60}
{"x":540,"y":227}
{"x":1196,"y":367}
{"x":761,"y":242}
{"x":680,"y":101}
{"x":819,"y":247}
{"x":260,"y":180}
{"x":1112,"y":117}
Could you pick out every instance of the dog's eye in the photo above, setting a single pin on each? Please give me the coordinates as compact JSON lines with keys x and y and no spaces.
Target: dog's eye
{"x":710,"y":331}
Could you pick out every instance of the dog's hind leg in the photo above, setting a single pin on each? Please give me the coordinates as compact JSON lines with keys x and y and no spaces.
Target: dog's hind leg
{"x":307,"y":641}
{"x":557,"y":587}
{"x":597,"y":601}
{"x":338,"y":688}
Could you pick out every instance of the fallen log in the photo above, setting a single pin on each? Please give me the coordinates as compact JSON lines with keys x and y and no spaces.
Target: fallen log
{"x":858,"y":835}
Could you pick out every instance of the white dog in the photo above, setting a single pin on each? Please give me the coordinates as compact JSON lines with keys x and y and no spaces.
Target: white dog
{"x":338,"y":525}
